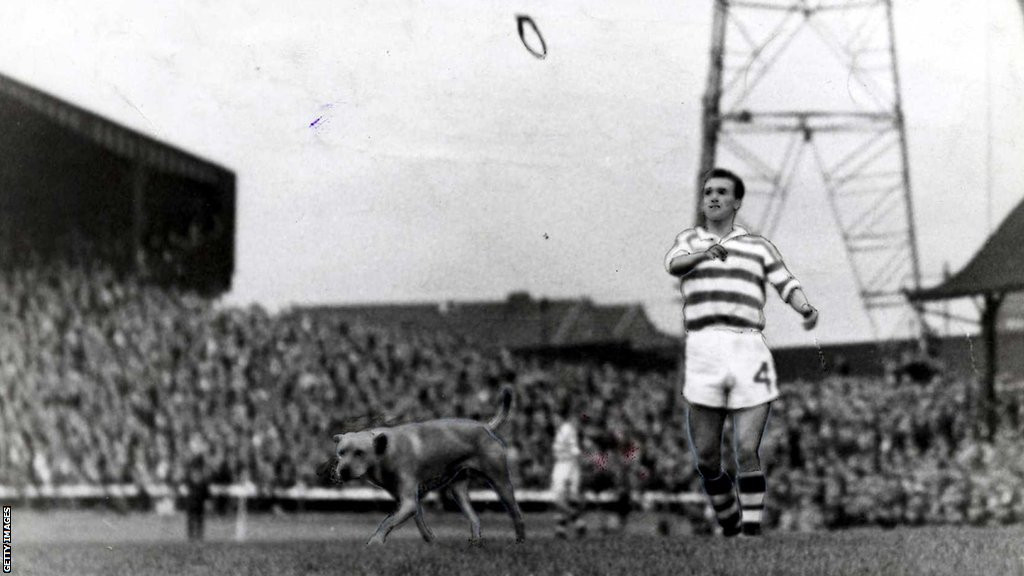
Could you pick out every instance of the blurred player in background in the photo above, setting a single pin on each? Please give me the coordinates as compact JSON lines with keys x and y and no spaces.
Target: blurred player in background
{"x":723,"y":272}
{"x":197,"y":483}
{"x":623,"y":458}
{"x":566,"y":475}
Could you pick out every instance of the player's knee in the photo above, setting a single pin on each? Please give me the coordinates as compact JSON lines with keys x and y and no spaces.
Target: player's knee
{"x":708,"y":472}
{"x":709,"y":459}
{"x":747,"y":460}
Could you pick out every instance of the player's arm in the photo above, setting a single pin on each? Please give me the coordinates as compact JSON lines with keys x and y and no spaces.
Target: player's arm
{"x":798,"y":301}
{"x":788,"y":286}
{"x":685,"y":263}
{"x":680,"y":260}
{"x":572,"y":442}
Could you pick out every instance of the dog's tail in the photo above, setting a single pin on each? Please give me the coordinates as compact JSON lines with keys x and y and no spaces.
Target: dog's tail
{"x":506,"y":407}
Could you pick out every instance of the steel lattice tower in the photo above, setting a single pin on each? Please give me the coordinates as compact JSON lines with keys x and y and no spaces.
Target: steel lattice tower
{"x":790,"y":79}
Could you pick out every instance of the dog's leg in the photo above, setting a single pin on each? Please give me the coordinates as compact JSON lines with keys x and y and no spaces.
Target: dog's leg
{"x":460,"y":492}
{"x":496,"y":471}
{"x":406,"y":509}
{"x":380,"y":528}
{"x":428,"y":536}
{"x":508,"y":497}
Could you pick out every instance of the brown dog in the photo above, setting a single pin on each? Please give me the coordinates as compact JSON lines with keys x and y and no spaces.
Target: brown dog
{"x":410,"y":460}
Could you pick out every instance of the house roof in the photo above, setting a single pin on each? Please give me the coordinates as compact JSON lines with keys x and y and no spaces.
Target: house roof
{"x":997,"y":267}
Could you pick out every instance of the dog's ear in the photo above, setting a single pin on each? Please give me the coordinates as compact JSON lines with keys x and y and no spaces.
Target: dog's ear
{"x":337,"y":438}
{"x":380,"y":443}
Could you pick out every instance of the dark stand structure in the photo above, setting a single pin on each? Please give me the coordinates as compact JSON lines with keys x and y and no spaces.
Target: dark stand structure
{"x":70,"y":178}
{"x":995,"y":271}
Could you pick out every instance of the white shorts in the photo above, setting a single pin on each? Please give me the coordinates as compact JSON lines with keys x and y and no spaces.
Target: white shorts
{"x":729,"y":369}
{"x":565,"y":481}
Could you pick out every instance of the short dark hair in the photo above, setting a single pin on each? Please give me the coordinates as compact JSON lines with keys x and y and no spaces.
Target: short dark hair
{"x":738,"y":187}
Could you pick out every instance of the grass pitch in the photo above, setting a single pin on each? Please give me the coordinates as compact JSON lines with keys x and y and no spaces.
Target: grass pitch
{"x":83,"y":543}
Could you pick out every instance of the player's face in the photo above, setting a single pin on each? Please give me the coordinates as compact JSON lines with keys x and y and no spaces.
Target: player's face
{"x":719,"y":202}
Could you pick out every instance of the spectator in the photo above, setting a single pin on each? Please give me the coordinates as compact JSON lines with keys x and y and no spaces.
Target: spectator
{"x":198,"y":485}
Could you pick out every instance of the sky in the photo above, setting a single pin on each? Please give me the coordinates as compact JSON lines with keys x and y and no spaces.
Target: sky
{"x":403,"y":150}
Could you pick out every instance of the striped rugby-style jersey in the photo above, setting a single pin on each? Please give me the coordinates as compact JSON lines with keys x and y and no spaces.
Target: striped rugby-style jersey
{"x":730,"y":293}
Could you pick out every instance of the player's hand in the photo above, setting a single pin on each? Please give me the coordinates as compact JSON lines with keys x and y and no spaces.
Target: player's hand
{"x":717,"y":252}
{"x":810,"y":315}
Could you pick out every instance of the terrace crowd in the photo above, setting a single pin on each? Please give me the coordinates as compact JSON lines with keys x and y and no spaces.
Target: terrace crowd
{"x":107,"y":380}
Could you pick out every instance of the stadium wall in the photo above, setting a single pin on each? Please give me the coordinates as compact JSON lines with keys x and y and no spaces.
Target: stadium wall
{"x":310,"y":498}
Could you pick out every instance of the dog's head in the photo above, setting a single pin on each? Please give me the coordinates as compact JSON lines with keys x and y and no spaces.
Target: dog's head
{"x":355,"y":454}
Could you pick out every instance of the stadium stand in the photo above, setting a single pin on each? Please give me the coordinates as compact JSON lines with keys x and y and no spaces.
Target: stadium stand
{"x":989,"y":278}
{"x":72,"y":176}
{"x":106,"y":380}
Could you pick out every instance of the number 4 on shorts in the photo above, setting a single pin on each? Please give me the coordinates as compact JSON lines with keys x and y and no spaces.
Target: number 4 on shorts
{"x":762,"y":376}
